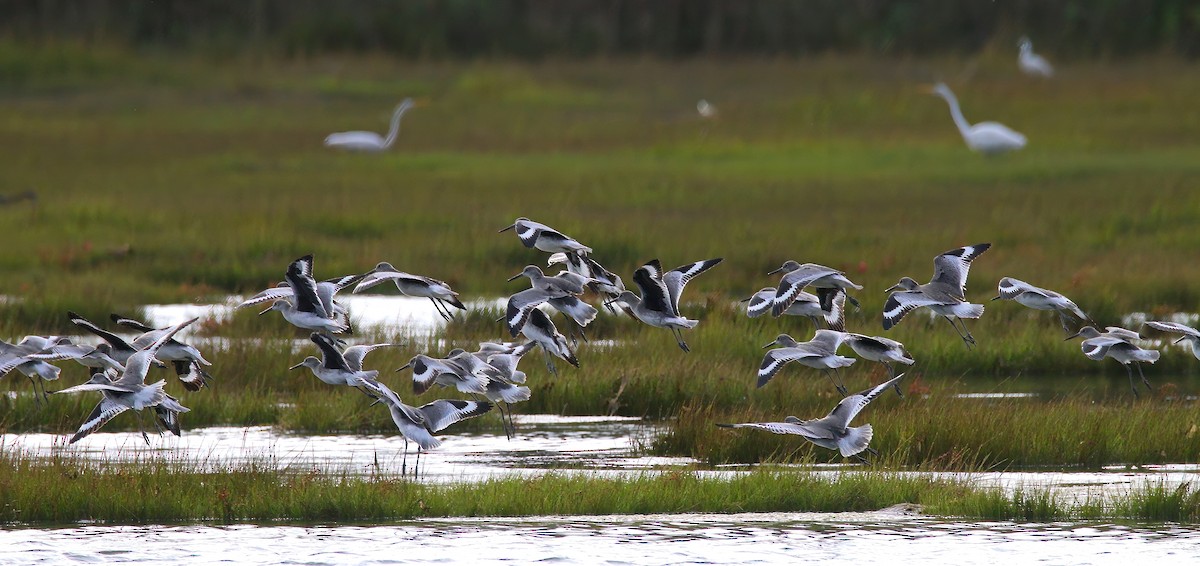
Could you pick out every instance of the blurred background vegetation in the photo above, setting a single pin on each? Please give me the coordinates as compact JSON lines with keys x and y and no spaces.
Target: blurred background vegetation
{"x":532,"y":29}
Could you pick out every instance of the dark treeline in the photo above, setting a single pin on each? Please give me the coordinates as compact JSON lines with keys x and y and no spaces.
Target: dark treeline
{"x":585,"y":28}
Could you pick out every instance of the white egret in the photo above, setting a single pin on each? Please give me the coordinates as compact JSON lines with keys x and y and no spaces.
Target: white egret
{"x":1031,"y":63}
{"x":988,"y":138}
{"x":370,"y":141}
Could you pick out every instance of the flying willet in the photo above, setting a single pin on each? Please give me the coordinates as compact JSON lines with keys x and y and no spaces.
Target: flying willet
{"x":988,"y":138}
{"x":188,"y":361}
{"x":945,"y":294}
{"x":419,"y":423}
{"x":818,"y":353}
{"x":537,"y":235}
{"x":306,"y":309}
{"x":796,"y":276}
{"x":805,"y":304}
{"x":519,"y":307}
{"x":879,"y":349}
{"x":326,"y":290}
{"x":1041,"y":299}
{"x":334,"y":369}
{"x":832,"y":431}
{"x":600,"y":280}
{"x":130,"y":390}
{"x":1190,"y":334}
{"x":498,"y":389}
{"x":1031,"y":63}
{"x":439,"y":292}
{"x":541,"y":330}
{"x":118,"y":348}
{"x":370,"y":141}
{"x":659,"y":304}
{"x":25,"y":358}
{"x":429,"y":371}
{"x":1116,"y":344}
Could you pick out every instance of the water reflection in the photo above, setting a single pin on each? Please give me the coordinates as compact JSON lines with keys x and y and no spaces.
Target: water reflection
{"x":751,"y":538}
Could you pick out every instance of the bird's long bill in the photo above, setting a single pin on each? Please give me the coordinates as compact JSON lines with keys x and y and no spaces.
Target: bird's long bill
{"x":295,"y":366}
{"x":768,"y":345}
{"x":746,"y":300}
{"x":1180,"y":339}
{"x":776,"y":270}
{"x":515,"y":276}
{"x":507,"y":229}
{"x":996,"y":298}
{"x":1075,"y":335}
{"x":892,"y":288}
{"x":406,"y":366}
{"x":268,"y":309}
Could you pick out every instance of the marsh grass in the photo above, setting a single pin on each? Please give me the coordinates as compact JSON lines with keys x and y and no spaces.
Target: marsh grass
{"x":68,"y":489}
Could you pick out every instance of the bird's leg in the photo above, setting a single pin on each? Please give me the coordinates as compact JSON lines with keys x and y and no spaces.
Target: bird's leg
{"x":140,"y":429}
{"x":549,"y":362}
{"x":512,"y":425}
{"x":438,"y":307}
{"x":504,"y":421}
{"x":1145,"y":381}
{"x":679,"y":340}
{"x":404,"y":460}
{"x":965,"y":340}
{"x":963,"y":323}
{"x":417,"y":466}
{"x":892,"y":375}
{"x":831,"y":381}
{"x":37,"y":397}
{"x":841,"y":382}
{"x":1132,"y":385}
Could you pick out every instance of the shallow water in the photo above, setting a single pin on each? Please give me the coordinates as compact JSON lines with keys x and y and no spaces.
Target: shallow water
{"x":845,"y":538}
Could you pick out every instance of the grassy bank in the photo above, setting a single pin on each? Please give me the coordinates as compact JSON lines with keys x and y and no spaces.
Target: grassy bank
{"x":163,"y":180}
{"x":66,"y":490}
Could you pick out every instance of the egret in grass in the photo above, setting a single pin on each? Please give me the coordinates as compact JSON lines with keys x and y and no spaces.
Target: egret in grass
{"x":988,"y":138}
{"x":370,"y":141}
{"x":1031,"y":63}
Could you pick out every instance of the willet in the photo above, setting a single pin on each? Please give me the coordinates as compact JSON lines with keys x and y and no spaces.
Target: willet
{"x":832,"y":431}
{"x":326,"y":291}
{"x":1031,"y":63}
{"x":796,"y":276}
{"x":945,"y":294}
{"x":25,"y":358}
{"x":118,"y":348}
{"x":429,"y":371}
{"x":818,"y":353}
{"x":519,"y":307}
{"x":541,"y":330}
{"x":419,"y":423}
{"x":370,"y":141}
{"x":306,"y":309}
{"x":1041,"y":299}
{"x":1190,"y":334}
{"x":130,"y":390}
{"x":498,"y":389}
{"x":600,"y":279}
{"x":333,"y":367}
{"x":539,"y":236}
{"x":1115,"y":344}
{"x":805,"y":304}
{"x":506,"y":360}
{"x":879,"y":349}
{"x":988,"y":138}
{"x":659,"y":304}
{"x":439,"y":292}
{"x":188,"y":361}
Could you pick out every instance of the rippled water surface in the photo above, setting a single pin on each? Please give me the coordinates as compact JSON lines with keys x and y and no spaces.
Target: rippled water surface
{"x":884,"y":537}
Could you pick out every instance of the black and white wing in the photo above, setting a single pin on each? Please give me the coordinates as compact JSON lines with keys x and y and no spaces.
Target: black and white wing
{"x":1173,"y":327}
{"x":901,"y":303}
{"x":331,"y":355}
{"x":105,"y":410}
{"x":655,"y":296}
{"x":299,"y":277}
{"x":676,"y":279}
{"x":1010,"y":288}
{"x":795,"y":426}
{"x":774,"y":360}
{"x":131,"y":323}
{"x":760,"y":302}
{"x":115,"y":341}
{"x":795,"y":281}
{"x":282,"y":291}
{"x":849,"y":407}
{"x":445,"y":412}
{"x":354,"y":354}
{"x":952,"y":267}
{"x":519,"y":306}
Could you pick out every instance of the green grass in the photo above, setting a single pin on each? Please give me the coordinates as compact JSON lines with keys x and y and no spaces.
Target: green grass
{"x":67,"y":489}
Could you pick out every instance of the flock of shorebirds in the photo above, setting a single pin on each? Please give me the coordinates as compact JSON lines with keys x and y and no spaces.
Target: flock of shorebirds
{"x":120,"y":366}
{"x":490,"y":374}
